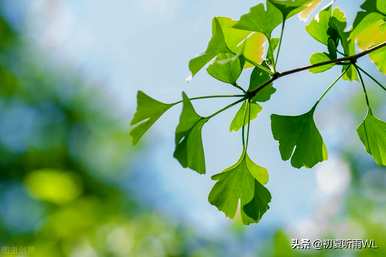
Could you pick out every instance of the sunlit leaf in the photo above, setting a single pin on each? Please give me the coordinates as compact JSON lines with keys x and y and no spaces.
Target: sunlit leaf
{"x":290,"y":7}
{"x":261,"y":19}
{"x":299,"y":139}
{"x":246,"y":110}
{"x":226,"y":68}
{"x":371,"y":31}
{"x":148,"y":112}
{"x":241,"y":184}
{"x":247,"y":43}
{"x":308,"y":9}
{"x":372,"y":133}
{"x":381,"y":6}
{"x":216,"y":46}
{"x":189,"y":149}
{"x":327,"y":18}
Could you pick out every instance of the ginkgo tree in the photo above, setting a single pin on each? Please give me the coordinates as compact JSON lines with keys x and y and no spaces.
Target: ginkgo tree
{"x":248,"y":43}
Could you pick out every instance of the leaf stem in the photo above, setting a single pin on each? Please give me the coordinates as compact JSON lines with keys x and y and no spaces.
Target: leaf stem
{"x":225,"y":108}
{"x":331,"y":86}
{"x":249,"y":123}
{"x":279,"y":47}
{"x":243,"y":129}
{"x":239,"y":87}
{"x":371,"y":77}
{"x":208,"y":97}
{"x":364,"y":90}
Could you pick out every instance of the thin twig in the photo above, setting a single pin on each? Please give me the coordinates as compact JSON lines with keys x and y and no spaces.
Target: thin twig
{"x":364,"y":90}
{"x":208,"y":97}
{"x":225,"y":108}
{"x":279,"y":47}
{"x":371,"y":77}
{"x":352,"y":59}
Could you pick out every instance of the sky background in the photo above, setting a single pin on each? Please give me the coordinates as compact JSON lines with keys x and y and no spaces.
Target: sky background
{"x":125,"y":45}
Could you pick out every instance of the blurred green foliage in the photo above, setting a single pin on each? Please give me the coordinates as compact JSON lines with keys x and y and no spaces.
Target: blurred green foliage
{"x":63,"y":152}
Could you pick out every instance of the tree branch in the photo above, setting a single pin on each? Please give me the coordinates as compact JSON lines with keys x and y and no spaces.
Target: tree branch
{"x":351,"y":59}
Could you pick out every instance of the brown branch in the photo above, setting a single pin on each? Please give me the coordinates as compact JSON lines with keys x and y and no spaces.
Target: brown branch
{"x":351,"y":59}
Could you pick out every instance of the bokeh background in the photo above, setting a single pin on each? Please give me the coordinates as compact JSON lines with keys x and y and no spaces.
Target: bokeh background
{"x":71,"y":184}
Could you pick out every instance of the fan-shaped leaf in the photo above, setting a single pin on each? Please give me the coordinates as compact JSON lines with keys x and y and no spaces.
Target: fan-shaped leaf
{"x":299,"y":139}
{"x":372,"y":133}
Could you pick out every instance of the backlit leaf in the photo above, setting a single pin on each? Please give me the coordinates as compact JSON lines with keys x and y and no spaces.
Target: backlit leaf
{"x":371,"y":31}
{"x":308,"y":9}
{"x":290,"y":7}
{"x":261,"y":19}
{"x":189,"y":149}
{"x":148,"y":112}
{"x":247,"y":43}
{"x":299,"y":139}
{"x":216,"y":46}
{"x":246,"y":110}
{"x":226,"y":68}
{"x":239,"y":185}
{"x":372,"y":133}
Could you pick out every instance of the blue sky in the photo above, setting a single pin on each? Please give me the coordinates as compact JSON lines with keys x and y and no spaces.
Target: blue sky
{"x":126,"y":45}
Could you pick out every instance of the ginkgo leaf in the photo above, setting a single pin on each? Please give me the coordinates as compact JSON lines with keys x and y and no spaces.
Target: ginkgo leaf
{"x":372,"y":133}
{"x":258,"y":78}
{"x":226,"y":68}
{"x":260,"y":19}
{"x":329,"y":28}
{"x":379,"y":59}
{"x":308,"y":9}
{"x":247,"y":43}
{"x":368,"y":6}
{"x":318,"y":58}
{"x":299,"y":139}
{"x":189,"y":149}
{"x":381,"y":6}
{"x":148,"y":112}
{"x":290,"y":7}
{"x":325,"y":20}
{"x":371,"y":31}
{"x":237,"y":185}
{"x":246,"y":110}
{"x":216,"y":45}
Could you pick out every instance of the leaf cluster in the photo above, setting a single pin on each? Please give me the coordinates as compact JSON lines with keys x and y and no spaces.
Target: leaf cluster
{"x":248,"y":45}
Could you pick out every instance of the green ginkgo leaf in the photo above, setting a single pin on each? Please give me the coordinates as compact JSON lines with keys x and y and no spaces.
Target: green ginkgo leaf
{"x":318,"y":58}
{"x":216,"y":45}
{"x":381,"y":6}
{"x":329,"y":28}
{"x":325,"y":20}
{"x":260,"y":19}
{"x":242,"y":183}
{"x":372,"y":133}
{"x":226,"y":68}
{"x":370,"y":32}
{"x":148,"y":112}
{"x":290,"y":7}
{"x":247,"y":112}
{"x":258,"y":78}
{"x":189,"y":149}
{"x":299,"y":139}
{"x":241,"y":42}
